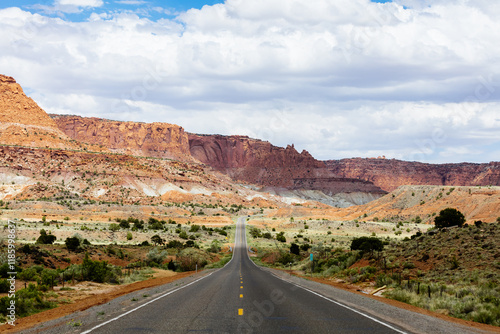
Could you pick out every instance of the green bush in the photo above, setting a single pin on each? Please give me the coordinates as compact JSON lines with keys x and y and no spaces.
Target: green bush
{"x":72,"y":243}
{"x":4,"y":286}
{"x":281,"y":237}
{"x":449,"y":217}
{"x":45,"y":239}
{"x":155,"y":257}
{"x":294,"y":249}
{"x":367,"y":244}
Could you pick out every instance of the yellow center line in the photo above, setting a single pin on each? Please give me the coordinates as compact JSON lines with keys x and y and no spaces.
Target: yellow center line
{"x":241,"y":287}
{"x":240,"y":311}
{"x":241,"y":296}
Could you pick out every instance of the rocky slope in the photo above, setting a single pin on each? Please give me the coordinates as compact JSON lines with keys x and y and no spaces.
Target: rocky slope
{"x":72,"y":178}
{"x":407,"y":202}
{"x":390,"y":174}
{"x":23,"y":122}
{"x":159,"y":140}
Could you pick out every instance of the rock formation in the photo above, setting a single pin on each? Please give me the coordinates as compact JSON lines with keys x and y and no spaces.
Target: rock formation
{"x":274,"y":168}
{"x":159,"y":140}
{"x":24,"y":123}
{"x":390,"y":174}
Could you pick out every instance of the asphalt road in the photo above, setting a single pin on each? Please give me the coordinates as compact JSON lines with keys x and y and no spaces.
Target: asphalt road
{"x":244,"y":298}
{"x":241,"y":298}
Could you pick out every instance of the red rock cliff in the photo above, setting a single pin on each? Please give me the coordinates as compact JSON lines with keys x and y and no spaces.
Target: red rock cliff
{"x":390,"y":174}
{"x":260,"y":162}
{"x":160,"y":140}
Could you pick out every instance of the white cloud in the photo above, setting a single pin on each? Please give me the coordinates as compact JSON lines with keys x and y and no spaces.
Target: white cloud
{"x":344,"y":78}
{"x":131,"y":2}
{"x":80,"y":3}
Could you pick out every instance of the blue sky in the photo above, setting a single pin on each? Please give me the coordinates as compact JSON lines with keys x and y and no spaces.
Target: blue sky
{"x":407,"y":79}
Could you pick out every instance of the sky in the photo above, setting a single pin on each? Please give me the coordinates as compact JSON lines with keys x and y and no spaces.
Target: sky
{"x":415,"y":80}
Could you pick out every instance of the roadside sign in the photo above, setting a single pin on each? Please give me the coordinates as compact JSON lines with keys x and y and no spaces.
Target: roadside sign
{"x":311,"y":257}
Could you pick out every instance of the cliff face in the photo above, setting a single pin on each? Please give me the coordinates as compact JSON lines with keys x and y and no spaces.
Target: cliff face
{"x":160,"y":140}
{"x":240,"y":151}
{"x":24,"y":123}
{"x":253,"y":160}
{"x":390,"y":174}
{"x":261,"y":163}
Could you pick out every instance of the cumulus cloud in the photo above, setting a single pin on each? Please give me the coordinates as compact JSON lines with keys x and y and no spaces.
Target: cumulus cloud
{"x":80,"y":3}
{"x":342,"y":78}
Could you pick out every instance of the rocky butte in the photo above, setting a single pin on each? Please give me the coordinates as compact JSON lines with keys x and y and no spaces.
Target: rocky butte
{"x":159,"y":140}
{"x":389,"y":174}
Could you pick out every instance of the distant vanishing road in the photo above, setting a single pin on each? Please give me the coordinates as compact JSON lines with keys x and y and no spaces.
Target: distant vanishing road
{"x":243,"y":298}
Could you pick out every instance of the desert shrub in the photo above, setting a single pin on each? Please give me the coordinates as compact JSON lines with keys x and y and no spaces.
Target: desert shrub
{"x":183,"y":235}
{"x":215,"y":246}
{"x":114,"y":227}
{"x":281,"y":237}
{"x":72,"y":243}
{"x":305,"y":247}
{"x":194,"y":228}
{"x":138,"y":225}
{"x":294,"y":249}
{"x":46,"y":239}
{"x":255,"y":232}
{"x":367,"y":244}
{"x":155,"y":257}
{"x":155,"y":224}
{"x":285,"y":258}
{"x":28,"y":301}
{"x":124,"y":224}
{"x":4,"y":286}
{"x":157,"y":240}
{"x":171,"y":266}
{"x":49,"y":277}
{"x":28,"y":274}
{"x":97,"y":271}
{"x":221,"y":232}
{"x":449,"y":217}
{"x":189,"y":258}
{"x":175,"y":244}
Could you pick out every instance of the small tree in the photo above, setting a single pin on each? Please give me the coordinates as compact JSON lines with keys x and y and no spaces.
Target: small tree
{"x":157,"y":240}
{"x":45,"y":239}
{"x":72,"y":243}
{"x":124,"y":224}
{"x":294,"y":249}
{"x":449,"y":217}
{"x":281,"y":237}
{"x":367,"y":244}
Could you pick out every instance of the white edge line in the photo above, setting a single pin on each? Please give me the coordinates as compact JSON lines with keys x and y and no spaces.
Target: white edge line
{"x":342,"y":305}
{"x":141,"y":306}
{"x":320,"y":295}
{"x":151,"y":301}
